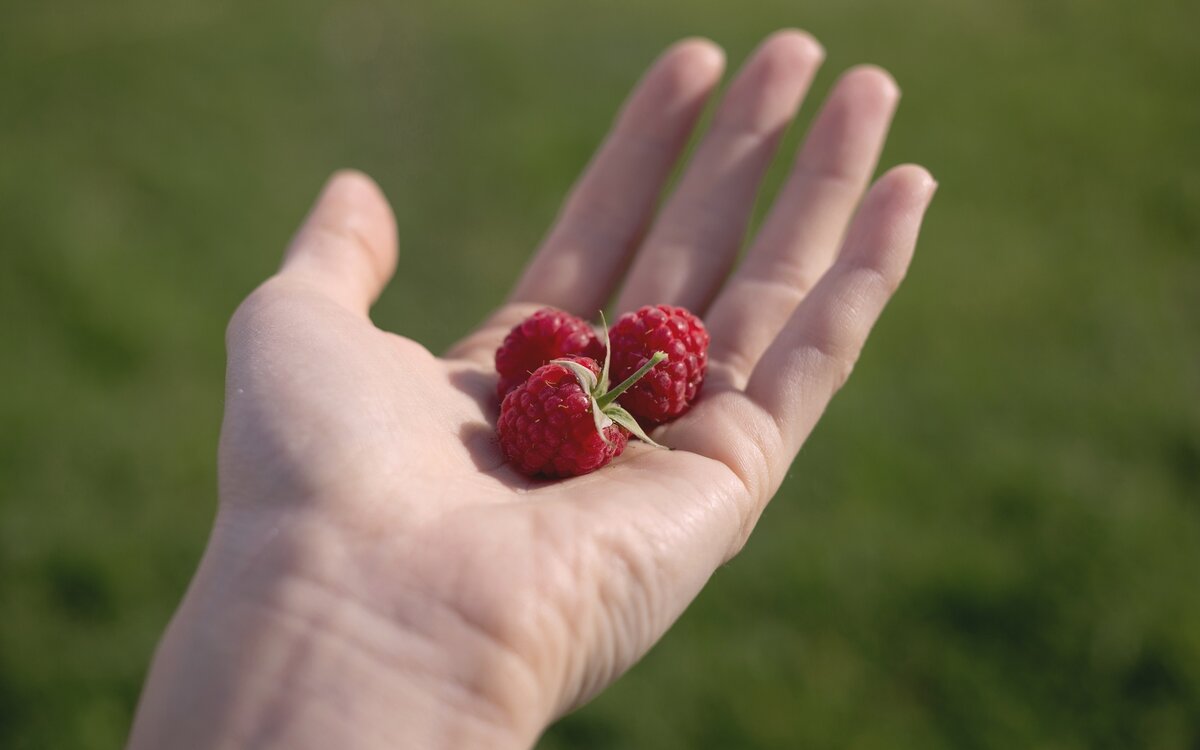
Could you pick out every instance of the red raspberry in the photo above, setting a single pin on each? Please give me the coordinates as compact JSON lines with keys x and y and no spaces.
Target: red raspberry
{"x":547,"y":334}
{"x":547,"y":424}
{"x":669,"y":389}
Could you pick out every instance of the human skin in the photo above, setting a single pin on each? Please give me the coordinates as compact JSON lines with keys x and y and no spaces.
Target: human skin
{"x":378,"y":577}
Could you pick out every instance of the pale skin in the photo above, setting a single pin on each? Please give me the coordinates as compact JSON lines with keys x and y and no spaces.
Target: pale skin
{"x":377,"y":577}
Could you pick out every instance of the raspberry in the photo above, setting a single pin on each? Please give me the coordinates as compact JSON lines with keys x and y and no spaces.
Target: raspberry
{"x":547,"y":334}
{"x":669,"y":390}
{"x":564,"y":420}
{"x":547,"y":426}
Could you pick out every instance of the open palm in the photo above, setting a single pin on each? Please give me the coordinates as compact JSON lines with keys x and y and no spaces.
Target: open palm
{"x":364,"y":497}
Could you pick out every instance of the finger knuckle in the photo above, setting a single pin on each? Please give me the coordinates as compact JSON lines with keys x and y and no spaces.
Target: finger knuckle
{"x":345,"y":238}
{"x":251,"y":311}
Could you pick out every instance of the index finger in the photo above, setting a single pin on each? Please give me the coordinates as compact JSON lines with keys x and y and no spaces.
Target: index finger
{"x":581,"y":260}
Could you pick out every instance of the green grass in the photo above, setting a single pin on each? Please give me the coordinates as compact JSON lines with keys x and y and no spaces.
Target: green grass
{"x":992,"y":540}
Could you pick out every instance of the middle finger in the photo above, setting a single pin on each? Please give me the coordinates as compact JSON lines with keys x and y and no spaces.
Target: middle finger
{"x":694,"y":241}
{"x":801,"y":234}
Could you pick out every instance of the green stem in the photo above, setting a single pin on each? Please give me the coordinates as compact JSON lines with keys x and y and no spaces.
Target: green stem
{"x":612,"y":395}
{"x":607,"y":352}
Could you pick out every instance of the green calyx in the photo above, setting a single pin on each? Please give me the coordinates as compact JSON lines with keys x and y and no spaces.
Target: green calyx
{"x":605,"y":409}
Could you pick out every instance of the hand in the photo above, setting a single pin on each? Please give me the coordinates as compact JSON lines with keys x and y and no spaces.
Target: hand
{"x":378,"y":576}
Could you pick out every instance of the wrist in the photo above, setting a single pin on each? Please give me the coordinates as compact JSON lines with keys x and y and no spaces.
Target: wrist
{"x":259,"y":657}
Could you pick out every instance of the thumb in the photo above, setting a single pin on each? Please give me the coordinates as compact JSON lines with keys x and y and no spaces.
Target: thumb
{"x":346,"y":247}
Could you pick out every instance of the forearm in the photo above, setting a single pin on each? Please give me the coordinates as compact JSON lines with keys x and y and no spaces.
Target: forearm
{"x":265,"y":661}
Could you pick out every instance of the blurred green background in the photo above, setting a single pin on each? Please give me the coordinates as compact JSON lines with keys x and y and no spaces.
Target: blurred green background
{"x":991,"y":541}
